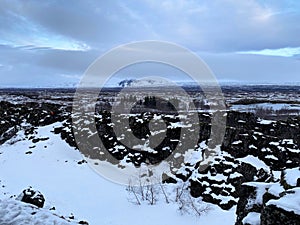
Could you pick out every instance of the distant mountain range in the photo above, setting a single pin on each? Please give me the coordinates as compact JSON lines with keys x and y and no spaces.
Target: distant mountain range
{"x":151,"y":83}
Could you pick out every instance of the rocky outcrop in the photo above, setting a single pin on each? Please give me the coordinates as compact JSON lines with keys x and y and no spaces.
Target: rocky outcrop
{"x":246,"y":194}
{"x":248,"y":135}
{"x":273,"y":215}
{"x":26,"y":116}
{"x":269,"y":203}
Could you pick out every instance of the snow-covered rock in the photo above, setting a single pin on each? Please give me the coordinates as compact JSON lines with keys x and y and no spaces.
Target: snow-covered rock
{"x":285,"y":210}
{"x":270,"y":202}
{"x":32,"y":196}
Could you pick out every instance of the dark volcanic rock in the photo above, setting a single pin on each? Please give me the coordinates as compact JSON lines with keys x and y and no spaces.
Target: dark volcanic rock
{"x":247,"y":202}
{"x":33,"y":197}
{"x":271,"y":202}
{"x":272,"y":215}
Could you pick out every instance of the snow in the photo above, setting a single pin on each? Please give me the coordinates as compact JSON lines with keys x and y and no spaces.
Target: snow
{"x":266,"y":122}
{"x":276,"y":189}
{"x":252,"y":146}
{"x":294,"y":150}
{"x":144,"y":147}
{"x":271,"y":157}
{"x":273,"y":106}
{"x":291,"y":176}
{"x":252,"y":218}
{"x":192,"y":156}
{"x":235,"y":175}
{"x":254,"y":161}
{"x":237,"y":142}
{"x":178,"y":124}
{"x":14,"y":212}
{"x":289,"y":202}
{"x":288,"y":141}
{"x":276,"y":174}
{"x":217,"y":177}
{"x":79,"y":190}
{"x":224,"y":199}
{"x":261,"y":189}
{"x":156,"y":117}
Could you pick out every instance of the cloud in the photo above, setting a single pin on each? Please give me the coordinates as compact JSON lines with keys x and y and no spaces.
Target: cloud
{"x":50,"y":39}
{"x":18,"y":31}
{"x":224,"y":26}
{"x":249,"y":68}
{"x":210,"y":25}
{"x":285,"y":52}
{"x":96,"y":23}
{"x":27,"y":67}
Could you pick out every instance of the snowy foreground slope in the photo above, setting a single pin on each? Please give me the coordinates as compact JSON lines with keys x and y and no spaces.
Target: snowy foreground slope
{"x":14,"y":212}
{"x":73,"y":188}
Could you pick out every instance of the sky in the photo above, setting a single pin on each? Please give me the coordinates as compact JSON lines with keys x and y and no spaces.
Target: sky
{"x":51,"y":43}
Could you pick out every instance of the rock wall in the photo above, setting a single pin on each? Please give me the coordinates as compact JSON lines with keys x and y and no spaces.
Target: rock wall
{"x":274,"y":204}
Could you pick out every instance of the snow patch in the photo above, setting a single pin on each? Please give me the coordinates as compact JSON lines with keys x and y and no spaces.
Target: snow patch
{"x":254,"y":161}
{"x":291,"y":176}
{"x":252,"y":218}
{"x":290,"y":202}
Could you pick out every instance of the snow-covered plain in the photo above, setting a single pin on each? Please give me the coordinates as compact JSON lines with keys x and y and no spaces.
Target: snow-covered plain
{"x":51,"y":166}
{"x":273,"y":106}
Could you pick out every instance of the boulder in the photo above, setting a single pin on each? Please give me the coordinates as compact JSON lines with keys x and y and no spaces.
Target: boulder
{"x":33,"y":197}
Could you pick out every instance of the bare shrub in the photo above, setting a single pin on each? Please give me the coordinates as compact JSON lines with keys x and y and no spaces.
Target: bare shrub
{"x":146,"y":191}
{"x":188,"y":204}
{"x":150,"y":192}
